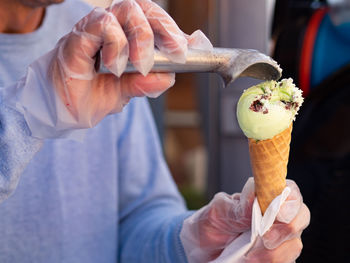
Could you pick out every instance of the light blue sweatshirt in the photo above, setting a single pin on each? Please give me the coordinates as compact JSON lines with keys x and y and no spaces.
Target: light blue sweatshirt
{"x":109,"y":199}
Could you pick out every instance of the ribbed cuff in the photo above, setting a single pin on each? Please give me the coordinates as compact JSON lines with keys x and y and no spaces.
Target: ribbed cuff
{"x":179,"y":254}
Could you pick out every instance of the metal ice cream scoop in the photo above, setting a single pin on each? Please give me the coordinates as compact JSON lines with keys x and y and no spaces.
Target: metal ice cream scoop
{"x":228,"y":63}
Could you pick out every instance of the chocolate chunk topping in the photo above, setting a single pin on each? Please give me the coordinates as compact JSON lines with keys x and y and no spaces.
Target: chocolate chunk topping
{"x":256,"y":106}
{"x":288,"y":105}
{"x":291,"y":105}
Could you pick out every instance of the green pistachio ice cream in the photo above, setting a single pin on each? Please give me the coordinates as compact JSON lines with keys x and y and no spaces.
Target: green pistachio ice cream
{"x":267,"y":109}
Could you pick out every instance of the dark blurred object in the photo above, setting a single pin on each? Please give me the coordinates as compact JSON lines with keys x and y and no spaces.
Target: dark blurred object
{"x":313,"y":51}
{"x":290,"y":22}
{"x":315,"y":45}
{"x":291,"y":12}
{"x":320,"y":164}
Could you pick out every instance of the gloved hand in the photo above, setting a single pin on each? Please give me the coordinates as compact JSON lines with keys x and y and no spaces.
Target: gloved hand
{"x":210,"y":230}
{"x":62,"y":90}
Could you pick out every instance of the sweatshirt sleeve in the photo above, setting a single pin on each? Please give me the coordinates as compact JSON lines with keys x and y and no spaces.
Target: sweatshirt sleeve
{"x":17,"y":148}
{"x":151,"y":208}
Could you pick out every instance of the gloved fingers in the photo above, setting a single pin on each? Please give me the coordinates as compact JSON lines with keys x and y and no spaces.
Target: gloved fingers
{"x":290,"y":208}
{"x":168,"y":37}
{"x":230,"y":214}
{"x":212,"y":228}
{"x":217,"y":239}
{"x":217,"y":224}
{"x":207,"y":230}
{"x":289,"y":251}
{"x":280,"y":232}
{"x":152,"y":85}
{"x":197,"y":40}
{"x":73,"y":57}
{"x":247,"y":197}
{"x":138,"y":32}
{"x":77,"y":50}
{"x":115,"y":49}
{"x":226,"y":216}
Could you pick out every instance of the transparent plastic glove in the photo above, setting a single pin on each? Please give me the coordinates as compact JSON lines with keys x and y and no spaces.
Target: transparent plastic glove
{"x":147,"y":25}
{"x":211,"y":229}
{"x":197,"y":40}
{"x":282,"y":242}
{"x":62,"y":91}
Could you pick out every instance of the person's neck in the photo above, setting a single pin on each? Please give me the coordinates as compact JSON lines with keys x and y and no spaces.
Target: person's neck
{"x":17,"y":18}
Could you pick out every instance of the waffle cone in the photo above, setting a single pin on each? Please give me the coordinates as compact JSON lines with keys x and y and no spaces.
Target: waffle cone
{"x":269,"y":159}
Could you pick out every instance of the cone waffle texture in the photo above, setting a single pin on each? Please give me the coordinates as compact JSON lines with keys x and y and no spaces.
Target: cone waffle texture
{"x":269,"y":159}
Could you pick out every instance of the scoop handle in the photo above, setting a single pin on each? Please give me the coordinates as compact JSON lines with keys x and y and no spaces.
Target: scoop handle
{"x":196,"y":61}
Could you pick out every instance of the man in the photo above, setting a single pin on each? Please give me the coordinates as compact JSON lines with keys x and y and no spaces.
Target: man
{"x":109,"y":197}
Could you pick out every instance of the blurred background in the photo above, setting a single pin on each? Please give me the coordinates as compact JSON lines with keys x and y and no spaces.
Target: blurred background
{"x":204,"y":147}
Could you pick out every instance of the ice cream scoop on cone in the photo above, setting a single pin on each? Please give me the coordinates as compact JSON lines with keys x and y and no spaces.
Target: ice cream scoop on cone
{"x":265,"y":114}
